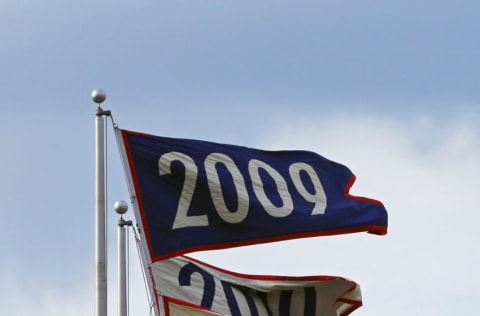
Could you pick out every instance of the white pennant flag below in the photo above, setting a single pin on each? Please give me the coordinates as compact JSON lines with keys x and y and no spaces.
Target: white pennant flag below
{"x":221,"y":292}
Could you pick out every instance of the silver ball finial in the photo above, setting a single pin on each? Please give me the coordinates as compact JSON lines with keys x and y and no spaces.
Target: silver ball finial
{"x":121,"y":207}
{"x":99,"y":96}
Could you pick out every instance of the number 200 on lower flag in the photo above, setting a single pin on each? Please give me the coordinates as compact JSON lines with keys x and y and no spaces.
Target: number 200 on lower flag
{"x":196,"y":195}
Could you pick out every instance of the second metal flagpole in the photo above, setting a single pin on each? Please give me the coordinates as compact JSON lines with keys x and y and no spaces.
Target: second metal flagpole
{"x":121,"y":208}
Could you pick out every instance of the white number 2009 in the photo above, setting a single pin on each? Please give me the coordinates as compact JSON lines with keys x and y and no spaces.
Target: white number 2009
{"x":182,"y":219}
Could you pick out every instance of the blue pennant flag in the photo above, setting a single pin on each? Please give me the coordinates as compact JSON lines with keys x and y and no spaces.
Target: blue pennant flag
{"x":196,"y":195}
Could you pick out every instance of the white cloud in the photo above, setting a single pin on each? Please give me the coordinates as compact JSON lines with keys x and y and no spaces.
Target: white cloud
{"x":426,"y":173}
{"x":20,"y":293}
{"x":21,"y":297}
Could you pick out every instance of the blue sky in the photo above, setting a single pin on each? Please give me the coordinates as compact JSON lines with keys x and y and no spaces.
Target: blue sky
{"x":389,"y":89}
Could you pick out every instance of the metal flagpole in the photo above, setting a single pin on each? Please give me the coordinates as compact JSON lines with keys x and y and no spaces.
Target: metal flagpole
{"x":121,"y":208}
{"x":98,"y":96}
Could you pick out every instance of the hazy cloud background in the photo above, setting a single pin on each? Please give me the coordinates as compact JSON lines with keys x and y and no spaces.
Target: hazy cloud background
{"x":389,"y":89}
